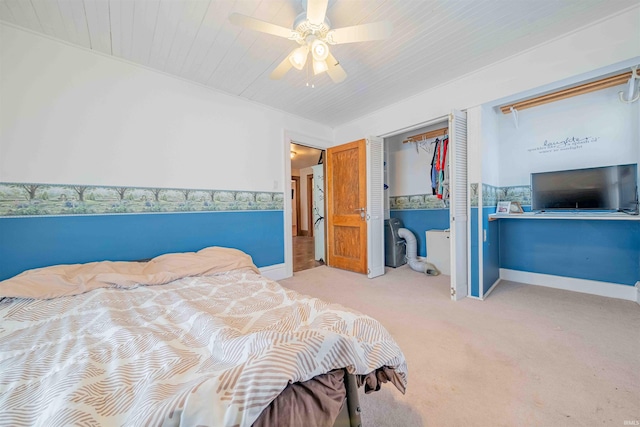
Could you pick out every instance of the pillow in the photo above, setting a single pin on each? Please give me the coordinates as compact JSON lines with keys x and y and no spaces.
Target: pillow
{"x":74,"y":279}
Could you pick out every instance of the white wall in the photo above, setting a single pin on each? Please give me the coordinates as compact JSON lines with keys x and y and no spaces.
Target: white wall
{"x":69,"y":115}
{"x":590,"y":130}
{"x":409,"y":165}
{"x":490,"y":147}
{"x":598,"y":46}
{"x":482,"y":149}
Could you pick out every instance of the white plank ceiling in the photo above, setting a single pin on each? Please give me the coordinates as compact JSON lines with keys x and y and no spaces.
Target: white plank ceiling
{"x":433,"y":41}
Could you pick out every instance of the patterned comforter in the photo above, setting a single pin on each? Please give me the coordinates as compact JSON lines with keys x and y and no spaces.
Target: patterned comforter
{"x":208,"y":350}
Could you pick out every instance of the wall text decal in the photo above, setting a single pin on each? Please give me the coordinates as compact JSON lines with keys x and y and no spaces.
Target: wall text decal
{"x":567,"y":144}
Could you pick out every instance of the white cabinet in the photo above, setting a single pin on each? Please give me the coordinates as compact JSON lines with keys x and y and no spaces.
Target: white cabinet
{"x":438,"y":250}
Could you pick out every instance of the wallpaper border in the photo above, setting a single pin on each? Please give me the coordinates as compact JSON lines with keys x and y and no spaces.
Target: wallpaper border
{"x":30,"y":199}
{"x":491,"y":195}
{"x":417,"y":201}
{"x":515,"y":193}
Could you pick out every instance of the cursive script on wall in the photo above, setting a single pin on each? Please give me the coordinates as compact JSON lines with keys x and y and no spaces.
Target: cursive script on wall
{"x":569,"y":143}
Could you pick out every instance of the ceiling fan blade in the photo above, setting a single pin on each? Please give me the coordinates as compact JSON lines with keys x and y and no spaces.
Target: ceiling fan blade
{"x":258,"y":25}
{"x":360,"y":33}
{"x":335,"y":70}
{"x":281,"y":69}
{"x":316,"y":11}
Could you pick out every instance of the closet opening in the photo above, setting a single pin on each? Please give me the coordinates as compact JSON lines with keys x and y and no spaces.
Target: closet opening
{"x":417,"y":188}
{"x":425,"y":183}
{"x":307,"y":207}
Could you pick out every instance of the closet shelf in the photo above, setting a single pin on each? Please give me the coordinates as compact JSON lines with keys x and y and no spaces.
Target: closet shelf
{"x":426,"y":135}
{"x":568,"y":93}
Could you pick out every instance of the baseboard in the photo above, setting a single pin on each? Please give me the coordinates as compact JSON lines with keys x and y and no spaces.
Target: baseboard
{"x":593,"y":287}
{"x":379,"y":271}
{"x":638,"y":292}
{"x":491,"y":288}
{"x":274,"y":272}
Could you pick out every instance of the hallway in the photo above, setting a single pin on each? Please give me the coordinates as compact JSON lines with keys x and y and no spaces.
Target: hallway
{"x":303,"y":254}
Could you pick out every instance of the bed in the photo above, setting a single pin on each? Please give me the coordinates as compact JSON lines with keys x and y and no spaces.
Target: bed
{"x":197,"y":338}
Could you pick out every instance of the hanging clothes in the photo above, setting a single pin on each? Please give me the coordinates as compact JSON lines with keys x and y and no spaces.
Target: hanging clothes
{"x":434,"y":170}
{"x":440,"y":169}
{"x":444,"y":181}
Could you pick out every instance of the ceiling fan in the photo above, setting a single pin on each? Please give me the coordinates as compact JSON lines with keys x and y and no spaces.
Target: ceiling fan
{"x":312,"y":31}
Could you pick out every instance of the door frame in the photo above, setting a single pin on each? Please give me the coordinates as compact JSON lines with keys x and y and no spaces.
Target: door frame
{"x":289,"y":137}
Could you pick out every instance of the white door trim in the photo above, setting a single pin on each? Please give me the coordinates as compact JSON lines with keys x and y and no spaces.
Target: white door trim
{"x":289,"y":136}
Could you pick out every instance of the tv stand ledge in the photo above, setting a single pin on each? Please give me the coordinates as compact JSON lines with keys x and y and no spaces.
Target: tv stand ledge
{"x":607,"y":216}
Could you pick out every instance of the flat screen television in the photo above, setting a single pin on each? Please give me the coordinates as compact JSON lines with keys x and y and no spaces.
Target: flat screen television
{"x":608,"y":188}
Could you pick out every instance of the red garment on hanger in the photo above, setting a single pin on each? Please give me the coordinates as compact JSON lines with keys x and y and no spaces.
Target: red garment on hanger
{"x":441,"y":163}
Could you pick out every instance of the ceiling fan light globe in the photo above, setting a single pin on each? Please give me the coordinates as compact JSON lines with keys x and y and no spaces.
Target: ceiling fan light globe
{"x":299,"y":57}
{"x":320,"y":50}
{"x":319,"y":67}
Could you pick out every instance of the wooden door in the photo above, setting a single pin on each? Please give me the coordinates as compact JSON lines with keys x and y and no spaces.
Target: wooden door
{"x":346,"y":197}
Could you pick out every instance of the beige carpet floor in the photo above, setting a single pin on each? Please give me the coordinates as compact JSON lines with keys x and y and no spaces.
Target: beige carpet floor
{"x":526,"y":356}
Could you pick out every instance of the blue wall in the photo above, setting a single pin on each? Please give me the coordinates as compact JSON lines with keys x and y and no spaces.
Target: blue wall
{"x":419,"y":221}
{"x":473,"y":242}
{"x":490,"y":250}
{"x":602,"y":250}
{"x":31,"y":242}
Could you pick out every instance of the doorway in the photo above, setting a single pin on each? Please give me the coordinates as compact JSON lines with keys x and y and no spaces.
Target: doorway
{"x":307,"y":181}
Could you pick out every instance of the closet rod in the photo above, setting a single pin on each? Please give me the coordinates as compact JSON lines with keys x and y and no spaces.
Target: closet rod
{"x":568,"y":93}
{"x":426,"y":135}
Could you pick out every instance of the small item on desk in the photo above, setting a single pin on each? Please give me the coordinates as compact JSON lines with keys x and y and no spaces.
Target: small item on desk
{"x":515,"y":208}
{"x":503,"y":207}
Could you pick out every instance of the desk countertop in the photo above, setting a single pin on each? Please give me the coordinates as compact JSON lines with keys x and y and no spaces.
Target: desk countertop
{"x":569,"y":215}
